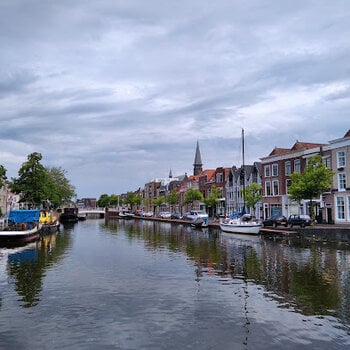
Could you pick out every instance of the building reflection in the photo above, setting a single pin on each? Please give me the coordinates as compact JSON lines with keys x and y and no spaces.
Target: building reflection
{"x":312,"y":278}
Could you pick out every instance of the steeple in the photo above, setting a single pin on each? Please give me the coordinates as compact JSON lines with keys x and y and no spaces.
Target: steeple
{"x":170,"y":174}
{"x":197,"y":165}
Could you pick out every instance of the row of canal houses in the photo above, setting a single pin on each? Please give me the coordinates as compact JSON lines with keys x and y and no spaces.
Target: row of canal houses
{"x":273,"y":174}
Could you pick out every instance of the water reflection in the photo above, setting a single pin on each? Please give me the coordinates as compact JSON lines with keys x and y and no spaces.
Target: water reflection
{"x":311,"y":278}
{"x":26,"y":266}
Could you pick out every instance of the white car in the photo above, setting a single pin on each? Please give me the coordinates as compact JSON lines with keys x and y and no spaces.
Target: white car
{"x":195,"y":214}
{"x":165,"y":215}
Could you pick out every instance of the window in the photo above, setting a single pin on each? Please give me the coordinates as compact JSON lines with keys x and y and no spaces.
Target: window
{"x":340,"y":208}
{"x":275,"y":187}
{"x":297,"y":166}
{"x":268,"y":188}
{"x":288,"y":167}
{"x":341,"y":182}
{"x":219,"y":178}
{"x":348,"y":207}
{"x":341,"y":159}
{"x":267,"y":171}
{"x":274,"y":169}
{"x":288,"y":183}
{"x":327,"y":162}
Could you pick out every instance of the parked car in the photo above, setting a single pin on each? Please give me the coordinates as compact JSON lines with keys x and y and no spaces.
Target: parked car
{"x":195,"y":214}
{"x":165,"y":215}
{"x":176,"y":215}
{"x":143,"y":213}
{"x":275,"y":221}
{"x":301,"y":220}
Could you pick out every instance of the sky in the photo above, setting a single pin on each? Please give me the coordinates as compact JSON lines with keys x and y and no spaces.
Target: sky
{"x":118,"y":92}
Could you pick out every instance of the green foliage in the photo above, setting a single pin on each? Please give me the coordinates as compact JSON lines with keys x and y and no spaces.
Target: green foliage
{"x":2,"y":175}
{"x":133,"y":199}
{"x":213,"y":199}
{"x":315,"y":180}
{"x":252,"y":194}
{"x":60,"y":190}
{"x":137,"y":199}
{"x":33,"y":181}
{"x":173,"y":197}
{"x":193,"y":195}
{"x":114,"y":200}
{"x":158,"y":201}
{"x":39,"y":185}
{"x":103,"y":201}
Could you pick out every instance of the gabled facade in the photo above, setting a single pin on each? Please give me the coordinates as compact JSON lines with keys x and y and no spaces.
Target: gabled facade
{"x":336,"y":203}
{"x":276,"y":171}
{"x":215,"y":177}
{"x":236,"y":180}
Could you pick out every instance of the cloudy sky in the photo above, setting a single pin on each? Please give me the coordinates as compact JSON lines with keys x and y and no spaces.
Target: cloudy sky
{"x":117,"y":92}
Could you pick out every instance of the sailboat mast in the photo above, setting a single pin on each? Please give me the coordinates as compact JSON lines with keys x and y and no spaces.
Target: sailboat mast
{"x":243,"y":171}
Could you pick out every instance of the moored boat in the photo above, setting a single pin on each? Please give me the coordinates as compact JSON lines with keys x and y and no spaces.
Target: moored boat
{"x":243,"y":224}
{"x":69,"y":215}
{"x":49,"y":221}
{"x":23,"y":227}
{"x":200,"y":222}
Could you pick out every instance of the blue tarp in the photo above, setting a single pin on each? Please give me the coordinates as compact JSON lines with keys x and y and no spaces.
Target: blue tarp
{"x":19,"y":216}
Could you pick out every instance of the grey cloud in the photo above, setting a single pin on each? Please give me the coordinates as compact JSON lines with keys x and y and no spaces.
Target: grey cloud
{"x":121,"y":91}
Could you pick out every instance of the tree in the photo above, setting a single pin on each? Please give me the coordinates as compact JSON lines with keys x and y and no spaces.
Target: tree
{"x":173,"y":198}
{"x":33,"y":181}
{"x":132,"y":199}
{"x":60,"y":190}
{"x":137,"y":199}
{"x":114,"y":200}
{"x":312,"y":182}
{"x":103,"y":201}
{"x":158,"y":202}
{"x":2,"y":175}
{"x":193,"y":195}
{"x":212,"y":201}
{"x":252,"y":194}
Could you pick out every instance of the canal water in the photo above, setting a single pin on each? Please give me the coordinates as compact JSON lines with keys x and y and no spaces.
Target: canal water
{"x":151,"y":285}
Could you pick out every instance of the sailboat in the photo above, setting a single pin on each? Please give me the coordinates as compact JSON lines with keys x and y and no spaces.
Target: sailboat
{"x":242,"y":222}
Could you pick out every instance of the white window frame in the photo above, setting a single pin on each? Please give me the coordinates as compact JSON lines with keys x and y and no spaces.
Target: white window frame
{"x":327,"y":161}
{"x":266,"y":186}
{"x":274,"y":170}
{"x":288,"y":167}
{"x":341,"y":159}
{"x":340,"y":208}
{"x":274,"y":182}
{"x":219,"y":177}
{"x":267,"y":171}
{"x":297,"y":168}
{"x":341,"y":182}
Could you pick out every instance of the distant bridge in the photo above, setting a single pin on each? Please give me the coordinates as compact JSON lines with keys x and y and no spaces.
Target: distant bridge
{"x":87,"y":212}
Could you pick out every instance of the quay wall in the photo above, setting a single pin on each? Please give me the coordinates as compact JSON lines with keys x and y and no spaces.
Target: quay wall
{"x":329,"y":233}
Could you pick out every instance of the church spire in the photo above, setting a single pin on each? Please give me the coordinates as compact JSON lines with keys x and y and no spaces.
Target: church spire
{"x":170,"y":174}
{"x":197,"y":166}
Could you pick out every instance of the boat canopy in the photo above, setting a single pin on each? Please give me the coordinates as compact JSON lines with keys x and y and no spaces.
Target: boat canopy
{"x":20,"y":216}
